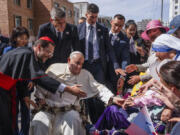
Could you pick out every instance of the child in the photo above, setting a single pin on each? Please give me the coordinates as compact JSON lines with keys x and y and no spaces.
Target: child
{"x":19,"y":38}
{"x":131,"y":33}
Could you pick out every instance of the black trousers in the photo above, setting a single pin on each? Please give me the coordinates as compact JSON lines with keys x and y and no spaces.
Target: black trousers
{"x":95,"y":107}
{"x":5,"y":113}
{"x":96,"y":69}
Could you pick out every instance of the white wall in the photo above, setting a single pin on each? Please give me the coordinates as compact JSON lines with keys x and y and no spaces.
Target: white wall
{"x":172,"y":9}
{"x":82,"y":8}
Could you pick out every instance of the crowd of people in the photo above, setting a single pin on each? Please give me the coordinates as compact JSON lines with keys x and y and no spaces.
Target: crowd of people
{"x":88,"y":79}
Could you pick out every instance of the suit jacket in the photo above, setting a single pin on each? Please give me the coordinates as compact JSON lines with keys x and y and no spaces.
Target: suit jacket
{"x":105,"y":49}
{"x":65,"y":46}
{"x":121,"y":50}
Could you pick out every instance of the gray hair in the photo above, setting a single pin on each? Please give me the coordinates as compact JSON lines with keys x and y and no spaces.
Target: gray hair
{"x":75,"y":53}
{"x":57,"y":13}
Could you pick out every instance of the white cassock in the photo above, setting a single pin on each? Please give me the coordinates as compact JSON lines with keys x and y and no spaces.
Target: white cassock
{"x":68,"y":122}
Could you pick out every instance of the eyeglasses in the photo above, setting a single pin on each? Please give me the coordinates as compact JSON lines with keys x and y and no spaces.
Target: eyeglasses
{"x":47,"y":51}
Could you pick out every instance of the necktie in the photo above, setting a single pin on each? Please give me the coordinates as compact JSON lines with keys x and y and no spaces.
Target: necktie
{"x":110,"y":37}
{"x":90,"y":44}
{"x":59,"y":36}
{"x":113,"y":39}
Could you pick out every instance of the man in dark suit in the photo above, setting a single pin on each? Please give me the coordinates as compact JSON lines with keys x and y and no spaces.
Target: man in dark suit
{"x":63,"y":34}
{"x":95,"y":45}
{"x":120,"y":44}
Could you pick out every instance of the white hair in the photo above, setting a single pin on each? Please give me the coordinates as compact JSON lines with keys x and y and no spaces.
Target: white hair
{"x":75,"y":53}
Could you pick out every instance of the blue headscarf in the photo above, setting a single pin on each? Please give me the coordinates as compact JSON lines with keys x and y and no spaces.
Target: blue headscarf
{"x":166,"y":43}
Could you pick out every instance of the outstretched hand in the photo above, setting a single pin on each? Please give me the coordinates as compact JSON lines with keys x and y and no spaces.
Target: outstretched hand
{"x":29,"y":102}
{"x":174,"y":119}
{"x":118,"y":101}
{"x":134,"y":79}
{"x":75,"y":90}
{"x":129,"y":102}
{"x":149,"y":84}
{"x":120,"y":71}
{"x":131,"y":68}
{"x":30,"y":85}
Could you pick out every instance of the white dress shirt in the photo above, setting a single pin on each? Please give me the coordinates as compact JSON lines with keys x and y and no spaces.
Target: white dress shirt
{"x":58,"y":32}
{"x":95,"y":42}
{"x":114,"y":37}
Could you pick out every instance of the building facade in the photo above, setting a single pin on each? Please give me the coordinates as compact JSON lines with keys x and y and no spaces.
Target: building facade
{"x":142,"y":24}
{"x":30,"y":14}
{"x":174,"y":9}
{"x":76,"y":15}
{"x":15,"y":13}
{"x":42,"y":11}
{"x":82,"y":6}
{"x":105,"y":20}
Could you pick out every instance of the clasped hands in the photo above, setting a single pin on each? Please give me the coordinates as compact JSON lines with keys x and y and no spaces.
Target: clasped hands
{"x":124,"y":103}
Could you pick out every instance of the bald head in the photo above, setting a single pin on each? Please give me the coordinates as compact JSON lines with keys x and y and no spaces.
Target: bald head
{"x":75,"y":62}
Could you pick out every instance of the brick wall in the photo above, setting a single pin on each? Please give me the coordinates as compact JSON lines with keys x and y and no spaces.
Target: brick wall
{"x":39,"y":13}
{"x":42,"y":11}
{"x":9,"y":10}
{"x":23,"y":11}
{"x":4,"y":22}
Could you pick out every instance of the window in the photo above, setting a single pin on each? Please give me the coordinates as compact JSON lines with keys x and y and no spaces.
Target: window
{"x":29,"y":3}
{"x":175,"y":13}
{"x":64,"y":9}
{"x":69,"y":13}
{"x":176,"y":1}
{"x":78,"y":14}
{"x":17,"y":21}
{"x":30,"y":24}
{"x":176,"y":7}
{"x":56,"y":4}
{"x":17,"y":2}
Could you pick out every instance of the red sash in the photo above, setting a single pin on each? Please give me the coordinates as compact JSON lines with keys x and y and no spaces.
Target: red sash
{"x":6,"y":82}
{"x":9,"y":84}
